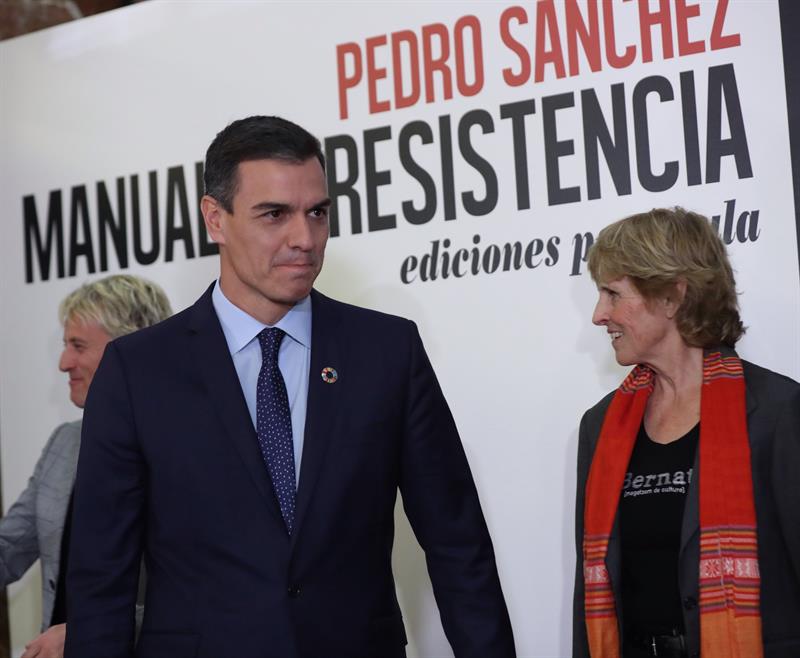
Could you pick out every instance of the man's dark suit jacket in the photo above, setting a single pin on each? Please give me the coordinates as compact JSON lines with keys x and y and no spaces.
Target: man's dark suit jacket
{"x":170,"y":465}
{"x":773,"y":425}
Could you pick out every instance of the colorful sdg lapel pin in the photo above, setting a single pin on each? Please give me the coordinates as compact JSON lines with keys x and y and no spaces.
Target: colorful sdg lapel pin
{"x":329,"y":375}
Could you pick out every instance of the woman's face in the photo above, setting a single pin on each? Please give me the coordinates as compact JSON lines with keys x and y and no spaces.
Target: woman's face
{"x":638,"y":328}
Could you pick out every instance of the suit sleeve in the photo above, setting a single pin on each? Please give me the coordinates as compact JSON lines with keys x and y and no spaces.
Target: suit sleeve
{"x":19,"y":538}
{"x":580,"y":642}
{"x":441,"y":502}
{"x":107,"y":532}
{"x":785,"y":480}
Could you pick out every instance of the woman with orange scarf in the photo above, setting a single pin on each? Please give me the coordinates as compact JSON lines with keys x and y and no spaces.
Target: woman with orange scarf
{"x":688,"y":501}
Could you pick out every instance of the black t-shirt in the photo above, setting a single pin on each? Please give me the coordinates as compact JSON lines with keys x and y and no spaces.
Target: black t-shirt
{"x":651,"y":514}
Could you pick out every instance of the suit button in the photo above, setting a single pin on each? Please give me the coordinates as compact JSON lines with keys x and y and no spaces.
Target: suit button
{"x":690,"y":603}
{"x":293,"y":591}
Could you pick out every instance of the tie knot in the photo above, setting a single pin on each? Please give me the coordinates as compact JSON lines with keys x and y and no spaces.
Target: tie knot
{"x":270,"y":340}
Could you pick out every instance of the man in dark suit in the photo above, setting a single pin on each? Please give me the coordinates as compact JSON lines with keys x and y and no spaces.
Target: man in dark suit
{"x":253,"y":445}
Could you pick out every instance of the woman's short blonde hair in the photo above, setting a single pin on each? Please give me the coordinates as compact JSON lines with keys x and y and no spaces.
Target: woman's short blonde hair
{"x":656,"y":250}
{"x":120,"y":304}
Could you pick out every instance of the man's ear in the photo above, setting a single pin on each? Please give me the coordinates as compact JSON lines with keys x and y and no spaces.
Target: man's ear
{"x":214,"y":216}
{"x":674,"y":298}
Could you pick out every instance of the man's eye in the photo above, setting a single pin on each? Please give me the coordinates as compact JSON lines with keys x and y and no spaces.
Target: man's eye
{"x":273,"y":214}
{"x":320,"y":213}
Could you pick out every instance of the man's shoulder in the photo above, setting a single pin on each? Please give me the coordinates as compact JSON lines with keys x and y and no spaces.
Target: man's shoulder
{"x":161,"y":333}
{"x":69,"y":432}
{"x":70,"y":427}
{"x":64,"y":443}
{"x":357,"y":315}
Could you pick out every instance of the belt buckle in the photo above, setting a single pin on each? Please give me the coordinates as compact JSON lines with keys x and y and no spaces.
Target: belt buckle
{"x":672,"y":645}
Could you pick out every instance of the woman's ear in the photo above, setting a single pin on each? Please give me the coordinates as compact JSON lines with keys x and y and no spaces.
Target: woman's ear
{"x":674,"y":298}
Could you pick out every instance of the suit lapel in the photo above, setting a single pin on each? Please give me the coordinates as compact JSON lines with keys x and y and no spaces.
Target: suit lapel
{"x":690,"y":525}
{"x":218,"y":374}
{"x":324,"y":400}
{"x":691,"y":512}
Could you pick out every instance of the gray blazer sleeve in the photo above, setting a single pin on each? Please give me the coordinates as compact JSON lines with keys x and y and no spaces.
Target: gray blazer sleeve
{"x":19,"y":543}
{"x":19,"y":539}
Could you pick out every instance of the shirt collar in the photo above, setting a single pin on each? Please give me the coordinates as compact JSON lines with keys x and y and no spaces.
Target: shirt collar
{"x":240,"y":327}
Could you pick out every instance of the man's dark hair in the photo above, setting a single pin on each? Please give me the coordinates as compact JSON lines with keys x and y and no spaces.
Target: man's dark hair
{"x":254,"y":138}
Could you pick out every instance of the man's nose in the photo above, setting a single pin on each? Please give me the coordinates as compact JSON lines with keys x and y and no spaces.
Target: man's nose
{"x":300,"y":233}
{"x":67,"y":361}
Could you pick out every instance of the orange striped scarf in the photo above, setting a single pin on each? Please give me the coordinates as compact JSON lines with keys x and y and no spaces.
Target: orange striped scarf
{"x":730,"y":624}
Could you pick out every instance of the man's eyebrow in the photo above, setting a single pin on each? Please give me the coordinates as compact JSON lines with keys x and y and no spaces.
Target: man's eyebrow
{"x":266,"y":206}
{"x":269,"y":205}
{"x":322,"y":204}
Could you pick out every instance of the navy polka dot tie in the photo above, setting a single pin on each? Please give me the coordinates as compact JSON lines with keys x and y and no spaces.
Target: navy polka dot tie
{"x":274,"y":424}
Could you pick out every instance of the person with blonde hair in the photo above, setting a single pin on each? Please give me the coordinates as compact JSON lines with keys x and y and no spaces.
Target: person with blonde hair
{"x":688,"y":502}
{"x":37,"y":524}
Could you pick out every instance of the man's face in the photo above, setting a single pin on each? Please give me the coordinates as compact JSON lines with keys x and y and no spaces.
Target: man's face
{"x":84,"y":344}
{"x":273,"y":243}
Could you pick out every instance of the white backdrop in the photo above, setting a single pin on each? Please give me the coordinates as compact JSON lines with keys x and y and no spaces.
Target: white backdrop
{"x":145,"y":89}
